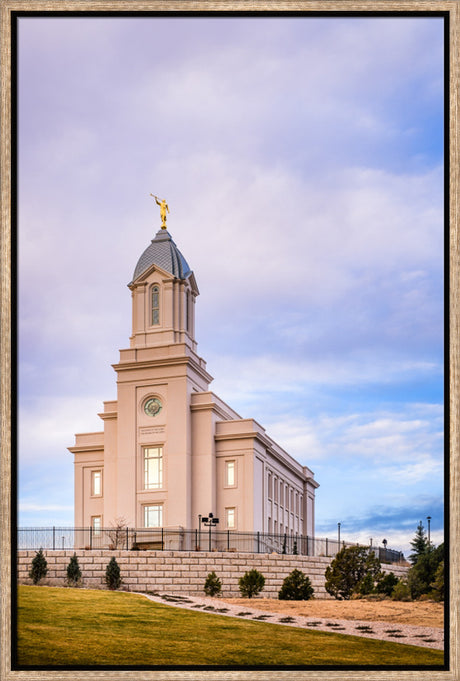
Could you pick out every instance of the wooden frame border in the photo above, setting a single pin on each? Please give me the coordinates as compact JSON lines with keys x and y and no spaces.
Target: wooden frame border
{"x":452,"y":7}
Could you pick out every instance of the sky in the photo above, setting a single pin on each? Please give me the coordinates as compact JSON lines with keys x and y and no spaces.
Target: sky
{"x":302,"y":162}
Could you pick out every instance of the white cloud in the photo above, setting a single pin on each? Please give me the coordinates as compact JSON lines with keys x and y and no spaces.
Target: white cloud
{"x":393,"y":446}
{"x":427,"y":467}
{"x":48,"y":425}
{"x":25,"y":507}
{"x":241,"y":377}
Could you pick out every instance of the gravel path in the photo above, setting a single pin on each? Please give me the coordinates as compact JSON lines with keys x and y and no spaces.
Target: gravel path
{"x":428,"y":637}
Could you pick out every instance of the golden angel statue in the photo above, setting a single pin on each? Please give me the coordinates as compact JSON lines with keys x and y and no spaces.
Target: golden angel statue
{"x":163,"y":208}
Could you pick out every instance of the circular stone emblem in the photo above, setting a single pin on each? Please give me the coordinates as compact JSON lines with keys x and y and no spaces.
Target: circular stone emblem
{"x":152,"y":407}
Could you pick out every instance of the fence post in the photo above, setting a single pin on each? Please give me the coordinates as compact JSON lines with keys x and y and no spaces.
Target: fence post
{"x":228,"y":540}
{"x":127,"y":538}
{"x":54,"y":538}
{"x":258,"y":542}
{"x":327,"y":547}
{"x":90,"y":536}
{"x":162,"y":539}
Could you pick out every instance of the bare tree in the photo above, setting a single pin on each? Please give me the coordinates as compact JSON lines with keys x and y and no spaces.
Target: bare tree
{"x":117,"y":533}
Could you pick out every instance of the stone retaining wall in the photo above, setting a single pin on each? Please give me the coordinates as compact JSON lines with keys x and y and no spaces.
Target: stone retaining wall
{"x":182,"y":572}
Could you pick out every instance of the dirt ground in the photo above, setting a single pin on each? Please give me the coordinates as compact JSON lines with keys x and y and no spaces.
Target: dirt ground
{"x":423,"y":613}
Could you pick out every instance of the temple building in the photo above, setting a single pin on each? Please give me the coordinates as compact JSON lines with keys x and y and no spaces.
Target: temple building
{"x":170,"y":450}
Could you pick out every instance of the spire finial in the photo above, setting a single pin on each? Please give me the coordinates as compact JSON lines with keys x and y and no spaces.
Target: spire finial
{"x":163,"y":208}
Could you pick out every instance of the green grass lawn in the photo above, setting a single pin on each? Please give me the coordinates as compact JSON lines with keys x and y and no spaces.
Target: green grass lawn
{"x":58,"y":626}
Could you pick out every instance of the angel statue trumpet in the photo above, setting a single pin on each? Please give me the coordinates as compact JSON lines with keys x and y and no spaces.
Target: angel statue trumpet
{"x":163,"y":208}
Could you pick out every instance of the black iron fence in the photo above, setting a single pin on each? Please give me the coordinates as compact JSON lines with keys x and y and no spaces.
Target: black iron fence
{"x":165,"y":539}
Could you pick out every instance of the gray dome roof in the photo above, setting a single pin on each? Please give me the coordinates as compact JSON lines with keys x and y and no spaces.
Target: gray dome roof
{"x":164,"y":253}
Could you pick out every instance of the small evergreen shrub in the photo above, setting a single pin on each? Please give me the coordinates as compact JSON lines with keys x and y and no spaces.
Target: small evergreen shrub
{"x":212,"y":585}
{"x":386,"y":584}
{"x":112,"y":574}
{"x":39,"y":567}
{"x":401,"y":592}
{"x":295,"y":550}
{"x":296,"y":587}
{"x":354,"y":570}
{"x":438,"y":584}
{"x":251,"y":583}
{"x":423,"y":573}
{"x":73,"y":571}
{"x":366,"y":585}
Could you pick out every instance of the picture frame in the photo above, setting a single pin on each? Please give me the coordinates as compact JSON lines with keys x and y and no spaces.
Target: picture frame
{"x":9,"y":11}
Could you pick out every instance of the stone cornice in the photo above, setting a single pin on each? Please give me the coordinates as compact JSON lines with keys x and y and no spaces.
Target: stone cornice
{"x":283,"y":457}
{"x":211,"y":406}
{"x":164,"y":362}
{"x":244,"y":435}
{"x":80,"y":449}
{"x":107,"y":415}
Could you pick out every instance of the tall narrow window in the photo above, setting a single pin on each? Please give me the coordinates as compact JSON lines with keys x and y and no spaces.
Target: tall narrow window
{"x":153,"y":516}
{"x":230,"y":518}
{"x":155,"y":305}
{"x":153,"y":467}
{"x":96,"y":523}
{"x":96,"y":483}
{"x":230,"y":480}
{"x":187,"y":310}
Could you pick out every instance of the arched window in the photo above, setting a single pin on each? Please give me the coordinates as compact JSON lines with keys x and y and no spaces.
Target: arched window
{"x":155,"y":305}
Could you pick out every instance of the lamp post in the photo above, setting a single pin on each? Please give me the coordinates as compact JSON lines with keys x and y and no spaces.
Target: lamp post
{"x":338,"y":535}
{"x":210,"y":521}
{"x":429,"y":520}
{"x":384,"y":542}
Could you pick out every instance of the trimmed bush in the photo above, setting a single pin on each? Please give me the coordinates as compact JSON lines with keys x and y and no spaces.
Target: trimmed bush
{"x":296,"y":587}
{"x":251,"y":583}
{"x":39,"y":567}
{"x":112,"y":574}
{"x":212,"y":585}
{"x":73,"y":572}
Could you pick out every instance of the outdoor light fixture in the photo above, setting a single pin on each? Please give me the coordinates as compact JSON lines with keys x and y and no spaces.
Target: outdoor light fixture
{"x":384,"y":542}
{"x":210,"y":521}
{"x":429,"y":519}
